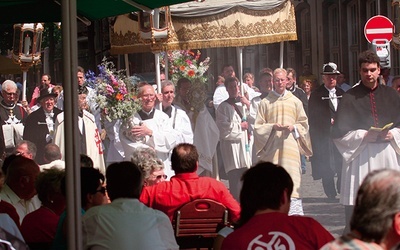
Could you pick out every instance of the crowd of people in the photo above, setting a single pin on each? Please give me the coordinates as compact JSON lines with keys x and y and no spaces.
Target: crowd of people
{"x":264,"y":130}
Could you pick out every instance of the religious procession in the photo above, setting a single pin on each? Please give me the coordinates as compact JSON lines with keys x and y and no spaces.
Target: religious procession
{"x":203,"y":142}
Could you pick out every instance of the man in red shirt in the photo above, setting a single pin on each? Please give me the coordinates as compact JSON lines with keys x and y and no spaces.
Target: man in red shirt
{"x":264,"y":222}
{"x":187,"y":186}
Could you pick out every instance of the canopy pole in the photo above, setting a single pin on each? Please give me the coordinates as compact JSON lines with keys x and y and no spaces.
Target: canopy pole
{"x":157,"y":64}
{"x":127,"y":65}
{"x":156,"y":24}
{"x":239,"y":51}
{"x":70,"y":64}
{"x":24,"y":76}
{"x":281,"y":55}
{"x":166,"y":66}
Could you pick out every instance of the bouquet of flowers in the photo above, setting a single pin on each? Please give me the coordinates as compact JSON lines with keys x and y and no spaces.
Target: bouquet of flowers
{"x":185,"y":63}
{"x":116,"y":94}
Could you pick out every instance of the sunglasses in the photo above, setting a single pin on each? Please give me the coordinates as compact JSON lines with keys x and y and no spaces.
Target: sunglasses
{"x":159,"y":177}
{"x":102,"y":190}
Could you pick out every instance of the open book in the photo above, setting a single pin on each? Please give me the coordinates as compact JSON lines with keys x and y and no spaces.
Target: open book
{"x":386,"y":127}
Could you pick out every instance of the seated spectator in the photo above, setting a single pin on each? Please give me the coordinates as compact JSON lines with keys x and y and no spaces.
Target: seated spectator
{"x":52,"y":157}
{"x":375,"y":223}
{"x":264,"y":220}
{"x":39,"y":227}
{"x":126,"y":223}
{"x":6,"y":163}
{"x":10,"y":237}
{"x":19,"y":189}
{"x":7,"y":208}
{"x":93,"y":193}
{"x":152,"y":167}
{"x":187,"y":186}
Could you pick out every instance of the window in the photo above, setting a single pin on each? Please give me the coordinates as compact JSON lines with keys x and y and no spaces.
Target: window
{"x":306,"y":35}
{"x":353,"y":28}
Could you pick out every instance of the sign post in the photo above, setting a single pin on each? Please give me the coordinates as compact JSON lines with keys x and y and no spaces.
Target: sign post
{"x":379,"y":32}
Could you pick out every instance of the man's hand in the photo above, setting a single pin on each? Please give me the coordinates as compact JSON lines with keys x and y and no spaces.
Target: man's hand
{"x":376,"y":136}
{"x":159,"y":97}
{"x":245,"y":101}
{"x":141,"y":130}
{"x":244,"y":125}
{"x":280,"y":127}
{"x":385,"y":135}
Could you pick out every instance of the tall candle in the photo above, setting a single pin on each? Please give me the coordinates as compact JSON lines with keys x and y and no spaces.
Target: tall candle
{"x":27,"y":43}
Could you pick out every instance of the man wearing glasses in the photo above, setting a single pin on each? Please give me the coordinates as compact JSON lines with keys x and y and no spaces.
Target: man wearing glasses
{"x":150,"y":129}
{"x":281,"y":133}
{"x":12,"y":116}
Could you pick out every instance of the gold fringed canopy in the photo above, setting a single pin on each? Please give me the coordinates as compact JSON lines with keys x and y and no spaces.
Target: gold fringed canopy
{"x":250,"y":23}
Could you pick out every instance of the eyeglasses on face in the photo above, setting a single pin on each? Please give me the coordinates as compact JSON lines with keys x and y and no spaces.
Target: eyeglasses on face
{"x":102,"y":190}
{"x":162,"y":176}
{"x":9,"y":94}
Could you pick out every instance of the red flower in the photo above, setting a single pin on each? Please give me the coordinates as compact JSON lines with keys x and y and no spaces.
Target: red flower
{"x":191,"y":73}
{"x":119,"y":97}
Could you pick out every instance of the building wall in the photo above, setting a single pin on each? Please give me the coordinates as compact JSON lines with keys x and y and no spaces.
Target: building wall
{"x":336,"y":31}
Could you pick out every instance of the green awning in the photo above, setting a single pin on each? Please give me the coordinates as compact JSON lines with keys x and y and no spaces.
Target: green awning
{"x":31,"y":11}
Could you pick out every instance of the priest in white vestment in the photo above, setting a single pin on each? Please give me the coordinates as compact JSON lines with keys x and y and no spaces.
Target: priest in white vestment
{"x":281,"y":133}
{"x":151,"y":128}
{"x":178,"y":118}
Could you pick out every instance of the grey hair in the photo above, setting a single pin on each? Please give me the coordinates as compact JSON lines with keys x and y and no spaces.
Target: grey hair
{"x":279,"y":70}
{"x":166,"y":83}
{"x":378,"y":200}
{"x":146,"y":159}
{"x":32,"y":149}
{"x":8,"y":83}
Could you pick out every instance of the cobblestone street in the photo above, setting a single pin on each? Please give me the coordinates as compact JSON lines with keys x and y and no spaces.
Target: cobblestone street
{"x":330,"y":213}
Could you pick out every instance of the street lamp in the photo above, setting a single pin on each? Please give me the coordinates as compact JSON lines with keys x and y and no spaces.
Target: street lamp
{"x":27,"y":48}
{"x":155,"y":25}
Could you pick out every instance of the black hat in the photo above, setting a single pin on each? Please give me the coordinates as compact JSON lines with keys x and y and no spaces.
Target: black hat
{"x":46,"y":92}
{"x":330,"y":69}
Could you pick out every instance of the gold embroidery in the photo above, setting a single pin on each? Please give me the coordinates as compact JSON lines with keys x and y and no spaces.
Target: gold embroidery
{"x":235,"y":27}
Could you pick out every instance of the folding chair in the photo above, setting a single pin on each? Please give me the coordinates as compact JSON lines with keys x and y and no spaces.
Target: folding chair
{"x":197,"y":223}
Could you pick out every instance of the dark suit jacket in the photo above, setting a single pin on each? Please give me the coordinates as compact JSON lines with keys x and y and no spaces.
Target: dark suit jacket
{"x":36,"y":132}
{"x":326,"y":160}
{"x":299,"y":93}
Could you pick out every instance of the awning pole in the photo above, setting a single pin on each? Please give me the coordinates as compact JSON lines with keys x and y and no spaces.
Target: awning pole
{"x":70,"y":64}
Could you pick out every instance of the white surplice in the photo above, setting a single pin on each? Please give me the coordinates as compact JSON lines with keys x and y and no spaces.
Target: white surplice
{"x":162,"y":141}
{"x":360,"y":158}
{"x":232,"y":138}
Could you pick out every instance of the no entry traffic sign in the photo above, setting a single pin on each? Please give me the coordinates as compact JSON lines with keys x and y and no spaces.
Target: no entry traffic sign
{"x":378,"y":27}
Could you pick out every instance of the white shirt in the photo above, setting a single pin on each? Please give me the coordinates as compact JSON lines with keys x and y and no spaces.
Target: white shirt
{"x":23,"y":207}
{"x":127,"y":224}
{"x":59,"y":164}
{"x":220,"y":95}
{"x":180,"y":122}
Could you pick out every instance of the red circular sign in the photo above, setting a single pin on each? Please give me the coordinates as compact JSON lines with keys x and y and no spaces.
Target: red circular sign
{"x":378,"y":27}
